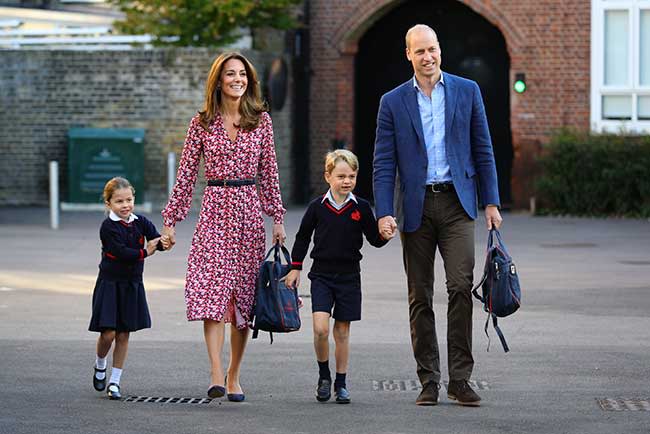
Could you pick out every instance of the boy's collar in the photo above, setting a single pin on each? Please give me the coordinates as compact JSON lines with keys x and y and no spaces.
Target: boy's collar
{"x":116,"y":218}
{"x":329,"y":197}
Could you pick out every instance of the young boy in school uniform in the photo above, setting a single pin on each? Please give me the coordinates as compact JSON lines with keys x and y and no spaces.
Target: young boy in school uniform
{"x":338,"y":221}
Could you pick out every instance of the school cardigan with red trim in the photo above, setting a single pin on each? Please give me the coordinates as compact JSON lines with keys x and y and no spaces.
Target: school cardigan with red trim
{"x":338,"y":236}
{"x":123,"y":248}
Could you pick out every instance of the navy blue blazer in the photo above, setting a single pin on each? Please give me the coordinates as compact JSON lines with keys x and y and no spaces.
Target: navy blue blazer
{"x":400,"y":149}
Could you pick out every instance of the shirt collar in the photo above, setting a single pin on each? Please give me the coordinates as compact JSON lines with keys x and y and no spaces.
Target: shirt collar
{"x":329,"y":197}
{"x":441,"y":81}
{"x":115,"y":217}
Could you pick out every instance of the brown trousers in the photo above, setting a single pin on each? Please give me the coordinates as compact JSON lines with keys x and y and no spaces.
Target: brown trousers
{"x":445,"y":226}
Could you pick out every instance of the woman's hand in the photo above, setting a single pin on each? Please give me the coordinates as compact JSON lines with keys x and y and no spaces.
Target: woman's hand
{"x":169,"y":237}
{"x":278,"y":234}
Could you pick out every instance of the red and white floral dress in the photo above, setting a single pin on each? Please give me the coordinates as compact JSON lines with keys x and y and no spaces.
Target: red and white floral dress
{"x":229,"y":241}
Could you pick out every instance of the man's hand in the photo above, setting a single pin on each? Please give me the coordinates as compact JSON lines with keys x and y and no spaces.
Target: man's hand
{"x":293,"y":279}
{"x":387,"y":227}
{"x":492,"y":217}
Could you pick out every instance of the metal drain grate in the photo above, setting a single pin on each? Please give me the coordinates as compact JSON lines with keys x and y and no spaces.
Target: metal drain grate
{"x":414,"y":385}
{"x":624,"y":404}
{"x":634,"y":262}
{"x":163,"y":400}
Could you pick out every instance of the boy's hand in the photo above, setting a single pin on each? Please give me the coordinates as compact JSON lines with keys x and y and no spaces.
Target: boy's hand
{"x":387,"y":227}
{"x":152,"y":246}
{"x":293,"y":279}
{"x":387,"y":230}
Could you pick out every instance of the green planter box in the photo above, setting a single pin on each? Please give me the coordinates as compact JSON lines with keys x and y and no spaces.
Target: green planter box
{"x":96,"y":155}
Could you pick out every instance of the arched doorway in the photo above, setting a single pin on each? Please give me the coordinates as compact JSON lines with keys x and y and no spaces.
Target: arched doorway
{"x":471,"y":47}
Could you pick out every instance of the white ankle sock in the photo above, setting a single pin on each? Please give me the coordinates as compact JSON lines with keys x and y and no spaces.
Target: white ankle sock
{"x":100,"y":363}
{"x":116,"y":374}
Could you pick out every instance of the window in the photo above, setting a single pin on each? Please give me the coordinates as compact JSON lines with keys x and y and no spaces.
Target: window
{"x":620,"y":65}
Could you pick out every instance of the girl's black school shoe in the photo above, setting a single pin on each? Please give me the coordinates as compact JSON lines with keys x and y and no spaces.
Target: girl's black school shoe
{"x":114,"y":391}
{"x":98,"y":384}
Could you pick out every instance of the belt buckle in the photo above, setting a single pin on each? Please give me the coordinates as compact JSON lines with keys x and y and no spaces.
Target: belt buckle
{"x":433,"y":188}
{"x":225,"y":183}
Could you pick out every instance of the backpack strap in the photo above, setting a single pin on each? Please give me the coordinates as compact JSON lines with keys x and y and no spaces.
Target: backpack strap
{"x":256,"y":333}
{"x":478,"y":285}
{"x":502,"y":338}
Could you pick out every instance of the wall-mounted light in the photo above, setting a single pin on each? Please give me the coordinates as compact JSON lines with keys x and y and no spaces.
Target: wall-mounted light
{"x":520,"y":82}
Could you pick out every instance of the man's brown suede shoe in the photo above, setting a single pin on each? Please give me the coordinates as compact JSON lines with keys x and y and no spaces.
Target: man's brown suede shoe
{"x":460,"y":391}
{"x":429,"y":394}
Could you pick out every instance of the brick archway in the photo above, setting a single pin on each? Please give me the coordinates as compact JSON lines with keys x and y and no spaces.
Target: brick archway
{"x":346,"y":37}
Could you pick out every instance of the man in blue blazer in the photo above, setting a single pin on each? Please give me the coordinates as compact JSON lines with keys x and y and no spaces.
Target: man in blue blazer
{"x":433,"y":157}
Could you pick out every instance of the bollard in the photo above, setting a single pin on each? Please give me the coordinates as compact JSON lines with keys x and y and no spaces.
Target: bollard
{"x":171,"y":171}
{"x":54,"y":194}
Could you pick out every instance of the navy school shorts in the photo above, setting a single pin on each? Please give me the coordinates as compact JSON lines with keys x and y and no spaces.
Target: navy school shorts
{"x":339,"y":291}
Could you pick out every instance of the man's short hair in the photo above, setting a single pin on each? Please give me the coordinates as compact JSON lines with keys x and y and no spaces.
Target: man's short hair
{"x":415,"y":28}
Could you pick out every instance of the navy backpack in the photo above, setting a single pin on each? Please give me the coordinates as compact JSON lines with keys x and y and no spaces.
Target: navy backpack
{"x":501,"y":293}
{"x":276,"y":305}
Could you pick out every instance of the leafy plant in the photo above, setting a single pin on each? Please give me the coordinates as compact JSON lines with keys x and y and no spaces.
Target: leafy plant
{"x":596,"y":175}
{"x":202,"y":22}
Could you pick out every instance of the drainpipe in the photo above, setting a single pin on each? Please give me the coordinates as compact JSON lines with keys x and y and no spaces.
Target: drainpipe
{"x":300,"y":116}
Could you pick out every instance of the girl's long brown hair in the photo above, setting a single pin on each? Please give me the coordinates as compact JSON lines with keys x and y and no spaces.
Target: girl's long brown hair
{"x":251,"y":105}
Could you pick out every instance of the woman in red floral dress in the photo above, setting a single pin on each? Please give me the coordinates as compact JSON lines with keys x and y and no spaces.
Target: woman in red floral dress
{"x":234,"y":136}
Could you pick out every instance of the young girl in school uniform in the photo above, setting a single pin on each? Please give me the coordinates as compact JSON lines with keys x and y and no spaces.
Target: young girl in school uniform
{"x":119,"y":301}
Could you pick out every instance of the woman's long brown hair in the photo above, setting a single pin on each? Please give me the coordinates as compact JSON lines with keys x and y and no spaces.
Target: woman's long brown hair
{"x":251,"y":105}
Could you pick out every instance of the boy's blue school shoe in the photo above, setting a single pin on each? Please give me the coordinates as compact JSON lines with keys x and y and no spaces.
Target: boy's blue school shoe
{"x":324,"y":390}
{"x":342,"y":395}
{"x":98,"y":384}
{"x":113,"y":391}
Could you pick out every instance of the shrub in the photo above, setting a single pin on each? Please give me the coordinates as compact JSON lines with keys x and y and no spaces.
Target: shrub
{"x":590,"y":174}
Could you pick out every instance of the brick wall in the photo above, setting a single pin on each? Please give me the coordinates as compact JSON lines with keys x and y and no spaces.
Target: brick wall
{"x":549,"y":40}
{"x":44,"y":93}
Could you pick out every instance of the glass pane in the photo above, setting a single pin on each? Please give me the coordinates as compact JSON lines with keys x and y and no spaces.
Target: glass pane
{"x":616,"y":47}
{"x":644,"y":108}
{"x":617,"y":107}
{"x":644,"y":48}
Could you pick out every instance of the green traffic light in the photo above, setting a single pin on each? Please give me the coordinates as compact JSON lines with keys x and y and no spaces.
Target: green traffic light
{"x":520,"y":86}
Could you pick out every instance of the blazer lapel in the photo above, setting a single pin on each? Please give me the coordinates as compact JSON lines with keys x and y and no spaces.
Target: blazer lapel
{"x":410,"y":97}
{"x":451,"y":91}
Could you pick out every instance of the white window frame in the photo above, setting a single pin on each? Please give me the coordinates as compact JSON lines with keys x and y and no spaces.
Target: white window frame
{"x":598,"y":88}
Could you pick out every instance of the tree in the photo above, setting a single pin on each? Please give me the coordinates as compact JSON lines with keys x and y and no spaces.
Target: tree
{"x":202,"y":22}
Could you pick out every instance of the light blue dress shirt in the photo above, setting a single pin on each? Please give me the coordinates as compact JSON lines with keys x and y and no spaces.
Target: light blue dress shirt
{"x":330,"y":197}
{"x":432,"y":114}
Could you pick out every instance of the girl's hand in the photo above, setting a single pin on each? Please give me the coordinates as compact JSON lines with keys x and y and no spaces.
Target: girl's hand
{"x":169,"y":237}
{"x":152,"y":246}
{"x":293,"y":279}
{"x":278,"y":234}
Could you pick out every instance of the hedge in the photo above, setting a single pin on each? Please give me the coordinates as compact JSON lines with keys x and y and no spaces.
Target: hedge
{"x":586,"y":174}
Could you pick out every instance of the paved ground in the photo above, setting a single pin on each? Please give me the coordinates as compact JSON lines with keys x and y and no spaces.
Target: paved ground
{"x":581,"y":335}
